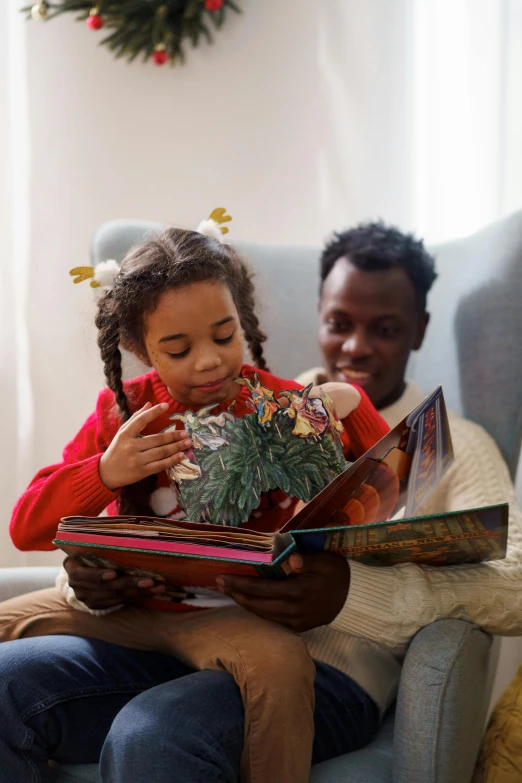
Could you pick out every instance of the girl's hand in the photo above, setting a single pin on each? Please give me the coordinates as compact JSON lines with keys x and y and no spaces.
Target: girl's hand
{"x":344,"y":396}
{"x":131,"y":458}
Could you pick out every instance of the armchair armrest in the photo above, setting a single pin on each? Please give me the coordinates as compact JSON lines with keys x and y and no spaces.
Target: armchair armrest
{"x":442,"y":704}
{"x":17,"y":581}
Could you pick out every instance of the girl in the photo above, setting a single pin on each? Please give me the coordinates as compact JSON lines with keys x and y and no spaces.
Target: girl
{"x":183,"y":304}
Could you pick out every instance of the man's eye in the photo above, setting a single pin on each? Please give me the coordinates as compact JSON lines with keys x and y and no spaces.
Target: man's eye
{"x":337,"y":326}
{"x":387,"y":331}
{"x":179,"y":355}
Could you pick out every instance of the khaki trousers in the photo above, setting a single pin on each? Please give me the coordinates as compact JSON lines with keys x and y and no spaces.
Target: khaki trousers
{"x":270,"y":664}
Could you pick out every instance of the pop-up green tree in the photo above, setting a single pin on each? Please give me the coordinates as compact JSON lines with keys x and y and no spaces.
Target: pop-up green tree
{"x":294,"y":447}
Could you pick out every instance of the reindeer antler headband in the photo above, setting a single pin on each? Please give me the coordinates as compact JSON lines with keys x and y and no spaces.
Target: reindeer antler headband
{"x":104,"y":274}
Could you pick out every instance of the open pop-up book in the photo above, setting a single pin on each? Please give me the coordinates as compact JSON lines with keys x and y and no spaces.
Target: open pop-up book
{"x":364,"y":511}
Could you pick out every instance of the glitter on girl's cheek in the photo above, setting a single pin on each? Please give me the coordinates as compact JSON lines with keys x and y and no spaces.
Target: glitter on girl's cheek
{"x":157,"y":359}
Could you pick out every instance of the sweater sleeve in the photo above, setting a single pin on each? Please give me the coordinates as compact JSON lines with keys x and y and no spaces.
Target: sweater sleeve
{"x":68,"y":488}
{"x":389,"y":605}
{"x":364,"y":426}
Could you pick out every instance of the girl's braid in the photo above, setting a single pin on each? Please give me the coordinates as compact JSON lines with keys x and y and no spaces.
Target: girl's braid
{"x":245,"y":303}
{"x":109,"y":345}
{"x":134,"y":497}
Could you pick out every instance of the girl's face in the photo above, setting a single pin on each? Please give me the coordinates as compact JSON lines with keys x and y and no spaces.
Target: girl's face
{"x":194,"y":342}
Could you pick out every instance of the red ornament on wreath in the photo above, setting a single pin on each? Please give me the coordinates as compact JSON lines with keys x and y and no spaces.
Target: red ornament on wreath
{"x":214,"y":5}
{"x":94,"y":20}
{"x":160,"y":56}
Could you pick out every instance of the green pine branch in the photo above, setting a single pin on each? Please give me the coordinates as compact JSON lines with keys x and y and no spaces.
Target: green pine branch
{"x":256,"y":461}
{"x":139,"y":26}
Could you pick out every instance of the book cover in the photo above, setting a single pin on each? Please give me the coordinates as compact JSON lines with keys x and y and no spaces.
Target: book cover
{"x":454,"y":538}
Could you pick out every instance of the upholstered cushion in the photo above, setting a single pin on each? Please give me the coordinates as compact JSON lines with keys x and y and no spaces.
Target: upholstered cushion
{"x":473,"y":346}
{"x":372,"y":764}
{"x":17,"y":581}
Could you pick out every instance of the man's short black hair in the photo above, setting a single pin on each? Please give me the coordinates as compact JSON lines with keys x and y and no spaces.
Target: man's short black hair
{"x":374,"y":246}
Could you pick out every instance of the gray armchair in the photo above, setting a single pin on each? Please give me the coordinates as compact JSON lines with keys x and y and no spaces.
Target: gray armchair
{"x":474,"y":349}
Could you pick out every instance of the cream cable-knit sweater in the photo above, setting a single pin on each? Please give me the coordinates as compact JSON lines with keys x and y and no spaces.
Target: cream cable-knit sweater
{"x":385,"y":607}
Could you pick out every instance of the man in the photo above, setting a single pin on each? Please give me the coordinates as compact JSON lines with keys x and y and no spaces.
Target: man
{"x":374,"y":286}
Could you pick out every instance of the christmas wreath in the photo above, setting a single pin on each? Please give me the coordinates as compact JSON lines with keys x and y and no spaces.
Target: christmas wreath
{"x":156,"y":29}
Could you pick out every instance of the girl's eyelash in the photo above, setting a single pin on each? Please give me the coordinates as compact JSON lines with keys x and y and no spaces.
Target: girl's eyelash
{"x":222,"y":341}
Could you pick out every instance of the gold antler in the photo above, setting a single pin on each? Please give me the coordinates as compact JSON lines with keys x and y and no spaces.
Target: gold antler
{"x":219,"y":215}
{"x":81,"y":273}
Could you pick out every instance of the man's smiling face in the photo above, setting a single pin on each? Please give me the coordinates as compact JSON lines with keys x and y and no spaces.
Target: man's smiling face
{"x":369,"y":323}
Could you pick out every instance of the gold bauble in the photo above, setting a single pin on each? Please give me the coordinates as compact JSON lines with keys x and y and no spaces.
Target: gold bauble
{"x":39,"y":11}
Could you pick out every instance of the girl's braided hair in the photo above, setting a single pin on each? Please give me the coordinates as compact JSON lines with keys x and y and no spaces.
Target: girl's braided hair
{"x":176,"y":258}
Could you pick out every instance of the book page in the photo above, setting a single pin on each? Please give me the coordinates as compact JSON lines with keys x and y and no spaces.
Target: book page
{"x":399,"y":472}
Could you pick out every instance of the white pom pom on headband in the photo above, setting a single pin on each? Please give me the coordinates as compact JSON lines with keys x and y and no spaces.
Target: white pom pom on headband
{"x":213,"y":226}
{"x":103,"y":275}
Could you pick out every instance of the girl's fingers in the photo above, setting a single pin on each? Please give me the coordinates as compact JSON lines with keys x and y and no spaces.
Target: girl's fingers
{"x":164,"y":464}
{"x":163,"y":453}
{"x":146,"y":407}
{"x":161,"y":439}
{"x":139,"y":420}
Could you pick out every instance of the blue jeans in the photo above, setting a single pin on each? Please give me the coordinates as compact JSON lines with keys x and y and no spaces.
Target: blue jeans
{"x":143,"y":715}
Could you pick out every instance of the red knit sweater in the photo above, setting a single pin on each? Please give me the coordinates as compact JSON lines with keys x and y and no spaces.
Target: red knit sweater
{"x":73,"y":487}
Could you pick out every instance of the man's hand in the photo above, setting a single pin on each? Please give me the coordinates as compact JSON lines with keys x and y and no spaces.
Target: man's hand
{"x":314,"y":597}
{"x":101,"y":588}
